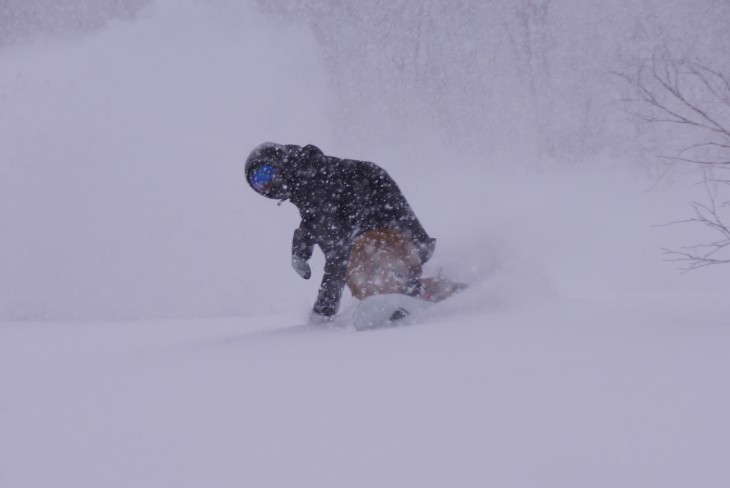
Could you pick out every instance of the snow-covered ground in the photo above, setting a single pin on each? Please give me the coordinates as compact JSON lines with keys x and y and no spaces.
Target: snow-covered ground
{"x":152,"y":333}
{"x":617,"y":391}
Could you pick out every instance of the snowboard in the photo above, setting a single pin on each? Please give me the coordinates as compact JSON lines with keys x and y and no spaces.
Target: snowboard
{"x":392,"y":309}
{"x":387,"y":310}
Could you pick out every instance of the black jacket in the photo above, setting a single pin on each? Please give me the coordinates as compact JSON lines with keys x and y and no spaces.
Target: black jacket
{"x":339,"y":199}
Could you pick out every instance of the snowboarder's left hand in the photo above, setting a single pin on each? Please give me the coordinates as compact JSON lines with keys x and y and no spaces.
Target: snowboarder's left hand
{"x":301,"y":267}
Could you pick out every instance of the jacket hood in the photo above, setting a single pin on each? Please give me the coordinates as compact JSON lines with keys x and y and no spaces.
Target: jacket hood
{"x":294,"y":163}
{"x":278,"y":156}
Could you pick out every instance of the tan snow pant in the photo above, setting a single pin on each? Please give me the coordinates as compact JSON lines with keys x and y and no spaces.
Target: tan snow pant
{"x":382,"y":261}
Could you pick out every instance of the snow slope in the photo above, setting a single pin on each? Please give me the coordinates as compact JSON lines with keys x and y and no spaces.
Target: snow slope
{"x":151,"y":330}
{"x":612,"y":392}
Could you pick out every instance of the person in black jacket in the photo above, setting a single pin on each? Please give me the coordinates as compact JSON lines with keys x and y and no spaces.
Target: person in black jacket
{"x":355,"y":212}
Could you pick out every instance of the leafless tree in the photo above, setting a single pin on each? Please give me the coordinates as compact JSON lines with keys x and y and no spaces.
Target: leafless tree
{"x":708,"y":214}
{"x":692,"y":100}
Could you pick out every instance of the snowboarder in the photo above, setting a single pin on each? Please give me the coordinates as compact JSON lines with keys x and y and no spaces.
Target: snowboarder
{"x":370,"y":237}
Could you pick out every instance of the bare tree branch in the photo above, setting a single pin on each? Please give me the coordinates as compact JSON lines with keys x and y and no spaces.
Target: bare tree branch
{"x":692,"y":95}
{"x":697,"y":161}
{"x":723,"y":93}
{"x":708,"y":215}
{"x":705,"y":144}
{"x":705,"y":119}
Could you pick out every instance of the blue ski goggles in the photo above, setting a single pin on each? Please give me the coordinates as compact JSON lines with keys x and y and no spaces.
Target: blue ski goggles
{"x":264,"y":178}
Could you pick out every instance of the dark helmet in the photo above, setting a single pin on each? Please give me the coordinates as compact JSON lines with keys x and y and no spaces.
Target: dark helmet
{"x":265,"y":168}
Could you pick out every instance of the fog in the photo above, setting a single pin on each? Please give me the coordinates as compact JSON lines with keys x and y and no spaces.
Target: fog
{"x":153,"y":333}
{"x":124,"y":127}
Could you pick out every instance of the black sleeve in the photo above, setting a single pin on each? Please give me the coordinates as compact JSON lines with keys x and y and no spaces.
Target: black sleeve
{"x":336,"y":248}
{"x":333,"y":282}
{"x":302,"y":244}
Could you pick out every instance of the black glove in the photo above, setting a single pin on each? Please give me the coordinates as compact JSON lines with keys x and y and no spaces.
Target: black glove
{"x":328,"y":301}
{"x":324,"y":308}
{"x":301,"y":267}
